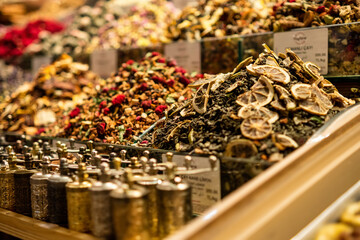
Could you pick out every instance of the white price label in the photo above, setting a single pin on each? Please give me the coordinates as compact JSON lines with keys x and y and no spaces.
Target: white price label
{"x":186,"y":55}
{"x":39,"y":62}
{"x":183,"y":3}
{"x":310,"y":45}
{"x":206,"y":187}
{"x":104,"y":62}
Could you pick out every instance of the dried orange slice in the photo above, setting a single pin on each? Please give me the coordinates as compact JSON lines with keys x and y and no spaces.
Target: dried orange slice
{"x":282,"y":141}
{"x":301,"y":91}
{"x":240,"y":148}
{"x":252,"y":111}
{"x":201,"y":98}
{"x":284,"y":96}
{"x":318,"y":103}
{"x":274,"y":73}
{"x":256,"y":128}
{"x":260,"y":94}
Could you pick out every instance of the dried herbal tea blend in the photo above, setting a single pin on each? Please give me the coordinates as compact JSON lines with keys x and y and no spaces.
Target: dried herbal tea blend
{"x":38,"y":104}
{"x":309,"y":13}
{"x":263,"y":109}
{"x":218,"y":18}
{"x":129,"y":102}
{"x":144,"y":25}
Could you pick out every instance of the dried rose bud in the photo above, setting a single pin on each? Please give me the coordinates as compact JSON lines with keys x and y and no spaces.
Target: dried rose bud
{"x":105,"y":90}
{"x":118,"y":100}
{"x":180,"y":70}
{"x":144,"y":142}
{"x":67,"y":127}
{"x":40,"y":131}
{"x":130,"y":62}
{"x":75,"y":112}
{"x":128,"y":132}
{"x":155,"y":54}
{"x":160,"y":109}
{"x":170,"y":82}
{"x":171,"y":63}
{"x":143,"y":87}
{"x":102,"y":104}
{"x":199,"y":76}
{"x":320,"y":9}
{"x":158,"y":79}
{"x":138,"y":118}
{"x":146,"y":104}
{"x":161,"y":60}
{"x":106,"y":111}
{"x":184,"y":81}
{"x":101,"y":128}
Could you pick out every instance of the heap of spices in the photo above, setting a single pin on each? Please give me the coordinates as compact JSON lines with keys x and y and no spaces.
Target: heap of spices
{"x":56,"y":89}
{"x":263,"y":109}
{"x":129,"y":102}
{"x":218,"y":18}
{"x":144,"y":25}
{"x":297,"y":13}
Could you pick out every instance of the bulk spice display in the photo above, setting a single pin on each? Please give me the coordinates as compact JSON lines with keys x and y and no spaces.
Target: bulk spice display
{"x":144,"y":25}
{"x":129,"y":102}
{"x":263,"y":109}
{"x":57,"y":88}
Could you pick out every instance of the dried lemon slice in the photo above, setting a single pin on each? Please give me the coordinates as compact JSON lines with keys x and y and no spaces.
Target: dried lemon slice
{"x":272,"y":61}
{"x":351,"y":214}
{"x":256,"y":128}
{"x":252,"y":111}
{"x":284,"y":96}
{"x":242,"y":64}
{"x":301,"y":91}
{"x":260,"y":94}
{"x":274,"y":73}
{"x":282,"y":141}
{"x":312,"y":69}
{"x":318,"y":103}
{"x":240,"y":148}
{"x":201,"y":98}
{"x":332,"y":231}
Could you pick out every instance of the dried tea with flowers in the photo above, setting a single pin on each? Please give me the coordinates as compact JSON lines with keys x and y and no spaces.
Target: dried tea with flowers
{"x":129,"y":102}
{"x":218,"y":18}
{"x":144,"y":25}
{"x":263,"y":109}
{"x":38,"y":104}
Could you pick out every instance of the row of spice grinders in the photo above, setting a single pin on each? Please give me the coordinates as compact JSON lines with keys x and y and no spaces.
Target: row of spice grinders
{"x":135,"y":202}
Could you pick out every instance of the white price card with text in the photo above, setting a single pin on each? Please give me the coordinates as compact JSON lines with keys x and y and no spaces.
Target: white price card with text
{"x":206,"y":186}
{"x":38,"y":62}
{"x":104,"y":62}
{"x":310,"y":45}
{"x":186,"y":55}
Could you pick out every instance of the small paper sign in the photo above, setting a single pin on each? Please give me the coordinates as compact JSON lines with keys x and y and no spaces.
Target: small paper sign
{"x":206,"y":187}
{"x":186,"y":55}
{"x":104,"y":62}
{"x":310,"y":45}
{"x":39,"y":62}
{"x":180,"y":4}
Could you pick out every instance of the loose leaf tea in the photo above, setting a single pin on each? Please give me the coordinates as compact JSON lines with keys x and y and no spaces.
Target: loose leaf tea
{"x":129,"y":102}
{"x":38,"y":104}
{"x":264,"y":109}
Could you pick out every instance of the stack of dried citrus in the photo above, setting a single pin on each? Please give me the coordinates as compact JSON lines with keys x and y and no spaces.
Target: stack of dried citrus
{"x":57,"y":88}
{"x":262,"y":109}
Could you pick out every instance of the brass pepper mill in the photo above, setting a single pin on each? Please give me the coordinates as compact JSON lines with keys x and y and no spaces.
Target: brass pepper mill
{"x":101,"y":215}
{"x":22,"y":187}
{"x":130,"y":210}
{"x":174,"y":198}
{"x":57,"y":194}
{"x":39,"y":191}
{"x":7,"y":184}
{"x":78,"y":201}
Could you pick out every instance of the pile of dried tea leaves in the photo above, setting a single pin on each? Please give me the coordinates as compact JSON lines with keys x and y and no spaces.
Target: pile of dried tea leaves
{"x":129,"y":102}
{"x":37,"y":104}
{"x":218,"y":18}
{"x":309,"y":13}
{"x":263,"y":109}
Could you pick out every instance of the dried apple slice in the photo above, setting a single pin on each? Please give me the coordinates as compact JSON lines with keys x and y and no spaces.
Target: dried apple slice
{"x":240,"y":148}
{"x":252,"y":111}
{"x":260,"y":94}
{"x":201,"y":98}
{"x":318,"y":103}
{"x":301,"y":91}
{"x":274,"y":73}
{"x":282,"y":141}
{"x":256,"y":128}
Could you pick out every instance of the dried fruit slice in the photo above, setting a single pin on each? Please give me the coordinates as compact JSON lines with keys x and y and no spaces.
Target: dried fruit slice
{"x":256,"y":128}
{"x":337,"y":97}
{"x":261,"y":93}
{"x":284,"y":96}
{"x":351,"y":214}
{"x":333,"y":231}
{"x":242,"y":64}
{"x":312,"y":69}
{"x":278,"y":105}
{"x":282,"y":141}
{"x":201,"y":98}
{"x":301,"y":91}
{"x":272,"y":61}
{"x":218,"y":80}
{"x":252,"y":111}
{"x":240,"y":148}
{"x":274,"y":73}
{"x":318,"y":103}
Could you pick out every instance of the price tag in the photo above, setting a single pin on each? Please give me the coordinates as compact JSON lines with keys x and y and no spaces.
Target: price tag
{"x":206,"y":187}
{"x":186,"y":54}
{"x":104,"y":62}
{"x":183,"y":3}
{"x":310,"y":45}
{"x":38,"y":62}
